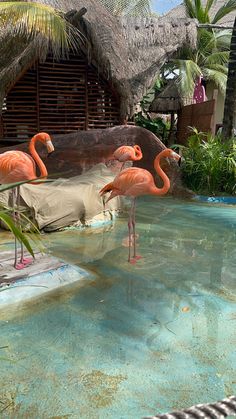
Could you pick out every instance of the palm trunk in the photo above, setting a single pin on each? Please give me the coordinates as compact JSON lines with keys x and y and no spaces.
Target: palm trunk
{"x":229,"y":120}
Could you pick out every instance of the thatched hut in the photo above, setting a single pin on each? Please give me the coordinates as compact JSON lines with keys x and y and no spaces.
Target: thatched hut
{"x":97,"y":87}
{"x":169,"y":101}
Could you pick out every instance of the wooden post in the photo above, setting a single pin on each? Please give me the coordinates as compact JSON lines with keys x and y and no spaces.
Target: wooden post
{"x":213,"y":118}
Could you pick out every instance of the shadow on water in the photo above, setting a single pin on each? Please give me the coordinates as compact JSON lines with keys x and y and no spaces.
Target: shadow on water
{"x":131,"y":340}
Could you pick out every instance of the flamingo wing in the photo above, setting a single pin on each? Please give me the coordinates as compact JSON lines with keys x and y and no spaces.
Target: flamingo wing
{"x":133,"y":182}
{"x":16,"y":166}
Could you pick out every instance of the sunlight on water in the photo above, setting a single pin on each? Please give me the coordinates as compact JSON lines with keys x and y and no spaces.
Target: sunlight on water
{"x":134,"y":340}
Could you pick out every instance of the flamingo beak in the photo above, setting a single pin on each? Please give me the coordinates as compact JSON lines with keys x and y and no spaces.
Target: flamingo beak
{"x":179,"y":161}
{"x":49,"y":146}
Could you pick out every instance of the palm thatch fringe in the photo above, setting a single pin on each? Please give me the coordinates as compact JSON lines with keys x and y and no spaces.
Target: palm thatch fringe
{"x":169,"y":99}
{"x":129,"y":52}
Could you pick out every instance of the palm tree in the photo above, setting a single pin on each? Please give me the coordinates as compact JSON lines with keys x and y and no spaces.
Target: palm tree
{"x":229,"y":120}
{"x":28,"y":20}
{"x":211,"y":55}
{"x":128,"y":7}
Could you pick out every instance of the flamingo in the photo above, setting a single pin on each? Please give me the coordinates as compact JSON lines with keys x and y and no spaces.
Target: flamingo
{"x":127,"y":153}
{"x":134,"y":182}
{"x":17,"y":166}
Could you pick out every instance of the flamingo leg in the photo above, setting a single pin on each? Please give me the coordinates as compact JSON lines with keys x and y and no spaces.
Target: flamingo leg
{"x":23,"y":261}
{"x":130,"y":232}
{"x":133,"y":210}
{"x":14,"y":193}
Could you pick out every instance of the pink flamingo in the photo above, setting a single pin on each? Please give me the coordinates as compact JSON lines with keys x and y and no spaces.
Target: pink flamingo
{"x":134,"y":182}
{"x":127,"y":153}
{"x":17,"y":166}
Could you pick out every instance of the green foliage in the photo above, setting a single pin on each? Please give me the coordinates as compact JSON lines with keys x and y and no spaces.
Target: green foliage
{"x":209,"y":166}
{"x":29,"y":19}
{"x":210,"y":58}
{"x":8,"y":220}
{"x":157,"y":125}
{"x":7,"y":217}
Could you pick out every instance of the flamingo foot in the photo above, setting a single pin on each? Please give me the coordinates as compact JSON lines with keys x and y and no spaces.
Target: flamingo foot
{"x":134,"y":259}
{"x":26,"y":261}
{"x":19,"y":266}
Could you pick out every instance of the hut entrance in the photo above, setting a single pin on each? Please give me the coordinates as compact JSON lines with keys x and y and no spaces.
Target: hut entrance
{"x":58,"y":97}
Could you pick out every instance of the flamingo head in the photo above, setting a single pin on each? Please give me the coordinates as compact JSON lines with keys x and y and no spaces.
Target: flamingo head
{"x":138,"y":152}
{"x":171,"y":154}
{"x":45,"y":139}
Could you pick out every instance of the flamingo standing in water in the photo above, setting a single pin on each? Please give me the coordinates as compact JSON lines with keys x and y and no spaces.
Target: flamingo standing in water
{"x":17,"y":166}
{"x":134,"y":182}
{"x":127,"y":153}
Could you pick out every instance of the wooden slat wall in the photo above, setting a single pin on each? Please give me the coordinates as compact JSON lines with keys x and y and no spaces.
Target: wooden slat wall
{"x":198,"y":115}
{"x":59,"y":97}
{"x":20,"y":117}
{"x":103,"y":110}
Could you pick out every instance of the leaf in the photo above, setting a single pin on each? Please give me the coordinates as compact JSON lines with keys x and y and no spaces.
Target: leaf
{"x":227,"y":8}
{"x":29,"y":19}
{"x":16,"y":231}
{"x":8,"y":186}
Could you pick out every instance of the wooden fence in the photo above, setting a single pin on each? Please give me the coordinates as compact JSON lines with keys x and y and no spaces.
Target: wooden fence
{"x":198,"y":115}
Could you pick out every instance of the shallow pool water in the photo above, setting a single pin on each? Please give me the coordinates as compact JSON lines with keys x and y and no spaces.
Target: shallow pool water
{"x":133,"y":340}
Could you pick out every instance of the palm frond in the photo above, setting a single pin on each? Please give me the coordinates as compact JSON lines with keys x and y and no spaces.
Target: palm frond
{"x":217,"y":76}
{"x":8,"y":186}
{"x":190,"y":10}
{"x":223,"y":39}
{"x":188,"y":72}
{"x":29,"y":19}
{"x":201,"y":13}
{"x":227,"y":8}
{"x":209,"y":5}
{"x":16,"y":231}
{"x":218,"y":57}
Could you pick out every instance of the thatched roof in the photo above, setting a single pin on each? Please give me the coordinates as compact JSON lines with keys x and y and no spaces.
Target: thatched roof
{"x":228,"y":20}
{"x":129,"y":52}
{"x":168,"y":100}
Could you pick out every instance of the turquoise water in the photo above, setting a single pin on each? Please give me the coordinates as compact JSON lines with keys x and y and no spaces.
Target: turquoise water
{"x":133,"y":340}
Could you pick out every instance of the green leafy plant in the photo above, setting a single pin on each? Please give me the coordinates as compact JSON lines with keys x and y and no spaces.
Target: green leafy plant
{"x":211,"y":55}
{"x":29,"y":19}
{"x":209,"y":165}
{"x":157,"y":125}
{"x":7,"y":217}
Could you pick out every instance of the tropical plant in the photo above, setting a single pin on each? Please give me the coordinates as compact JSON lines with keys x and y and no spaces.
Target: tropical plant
{"x":156,"y":125}
{"x":128,"y":7}
{"x":27,"y":20}
{"x":209,"y":166}
{"x":7,"y":217}
{"x":211,"y":55}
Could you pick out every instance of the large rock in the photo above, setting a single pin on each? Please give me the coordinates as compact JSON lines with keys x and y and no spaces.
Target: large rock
{"x":81,"y":150}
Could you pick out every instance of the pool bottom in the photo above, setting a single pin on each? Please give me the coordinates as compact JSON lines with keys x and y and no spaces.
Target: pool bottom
{"x":132,"y":341}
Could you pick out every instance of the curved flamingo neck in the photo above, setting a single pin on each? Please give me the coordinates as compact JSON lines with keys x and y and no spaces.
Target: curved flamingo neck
{"x":37,"y":159}
{"x":166,"y":181}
